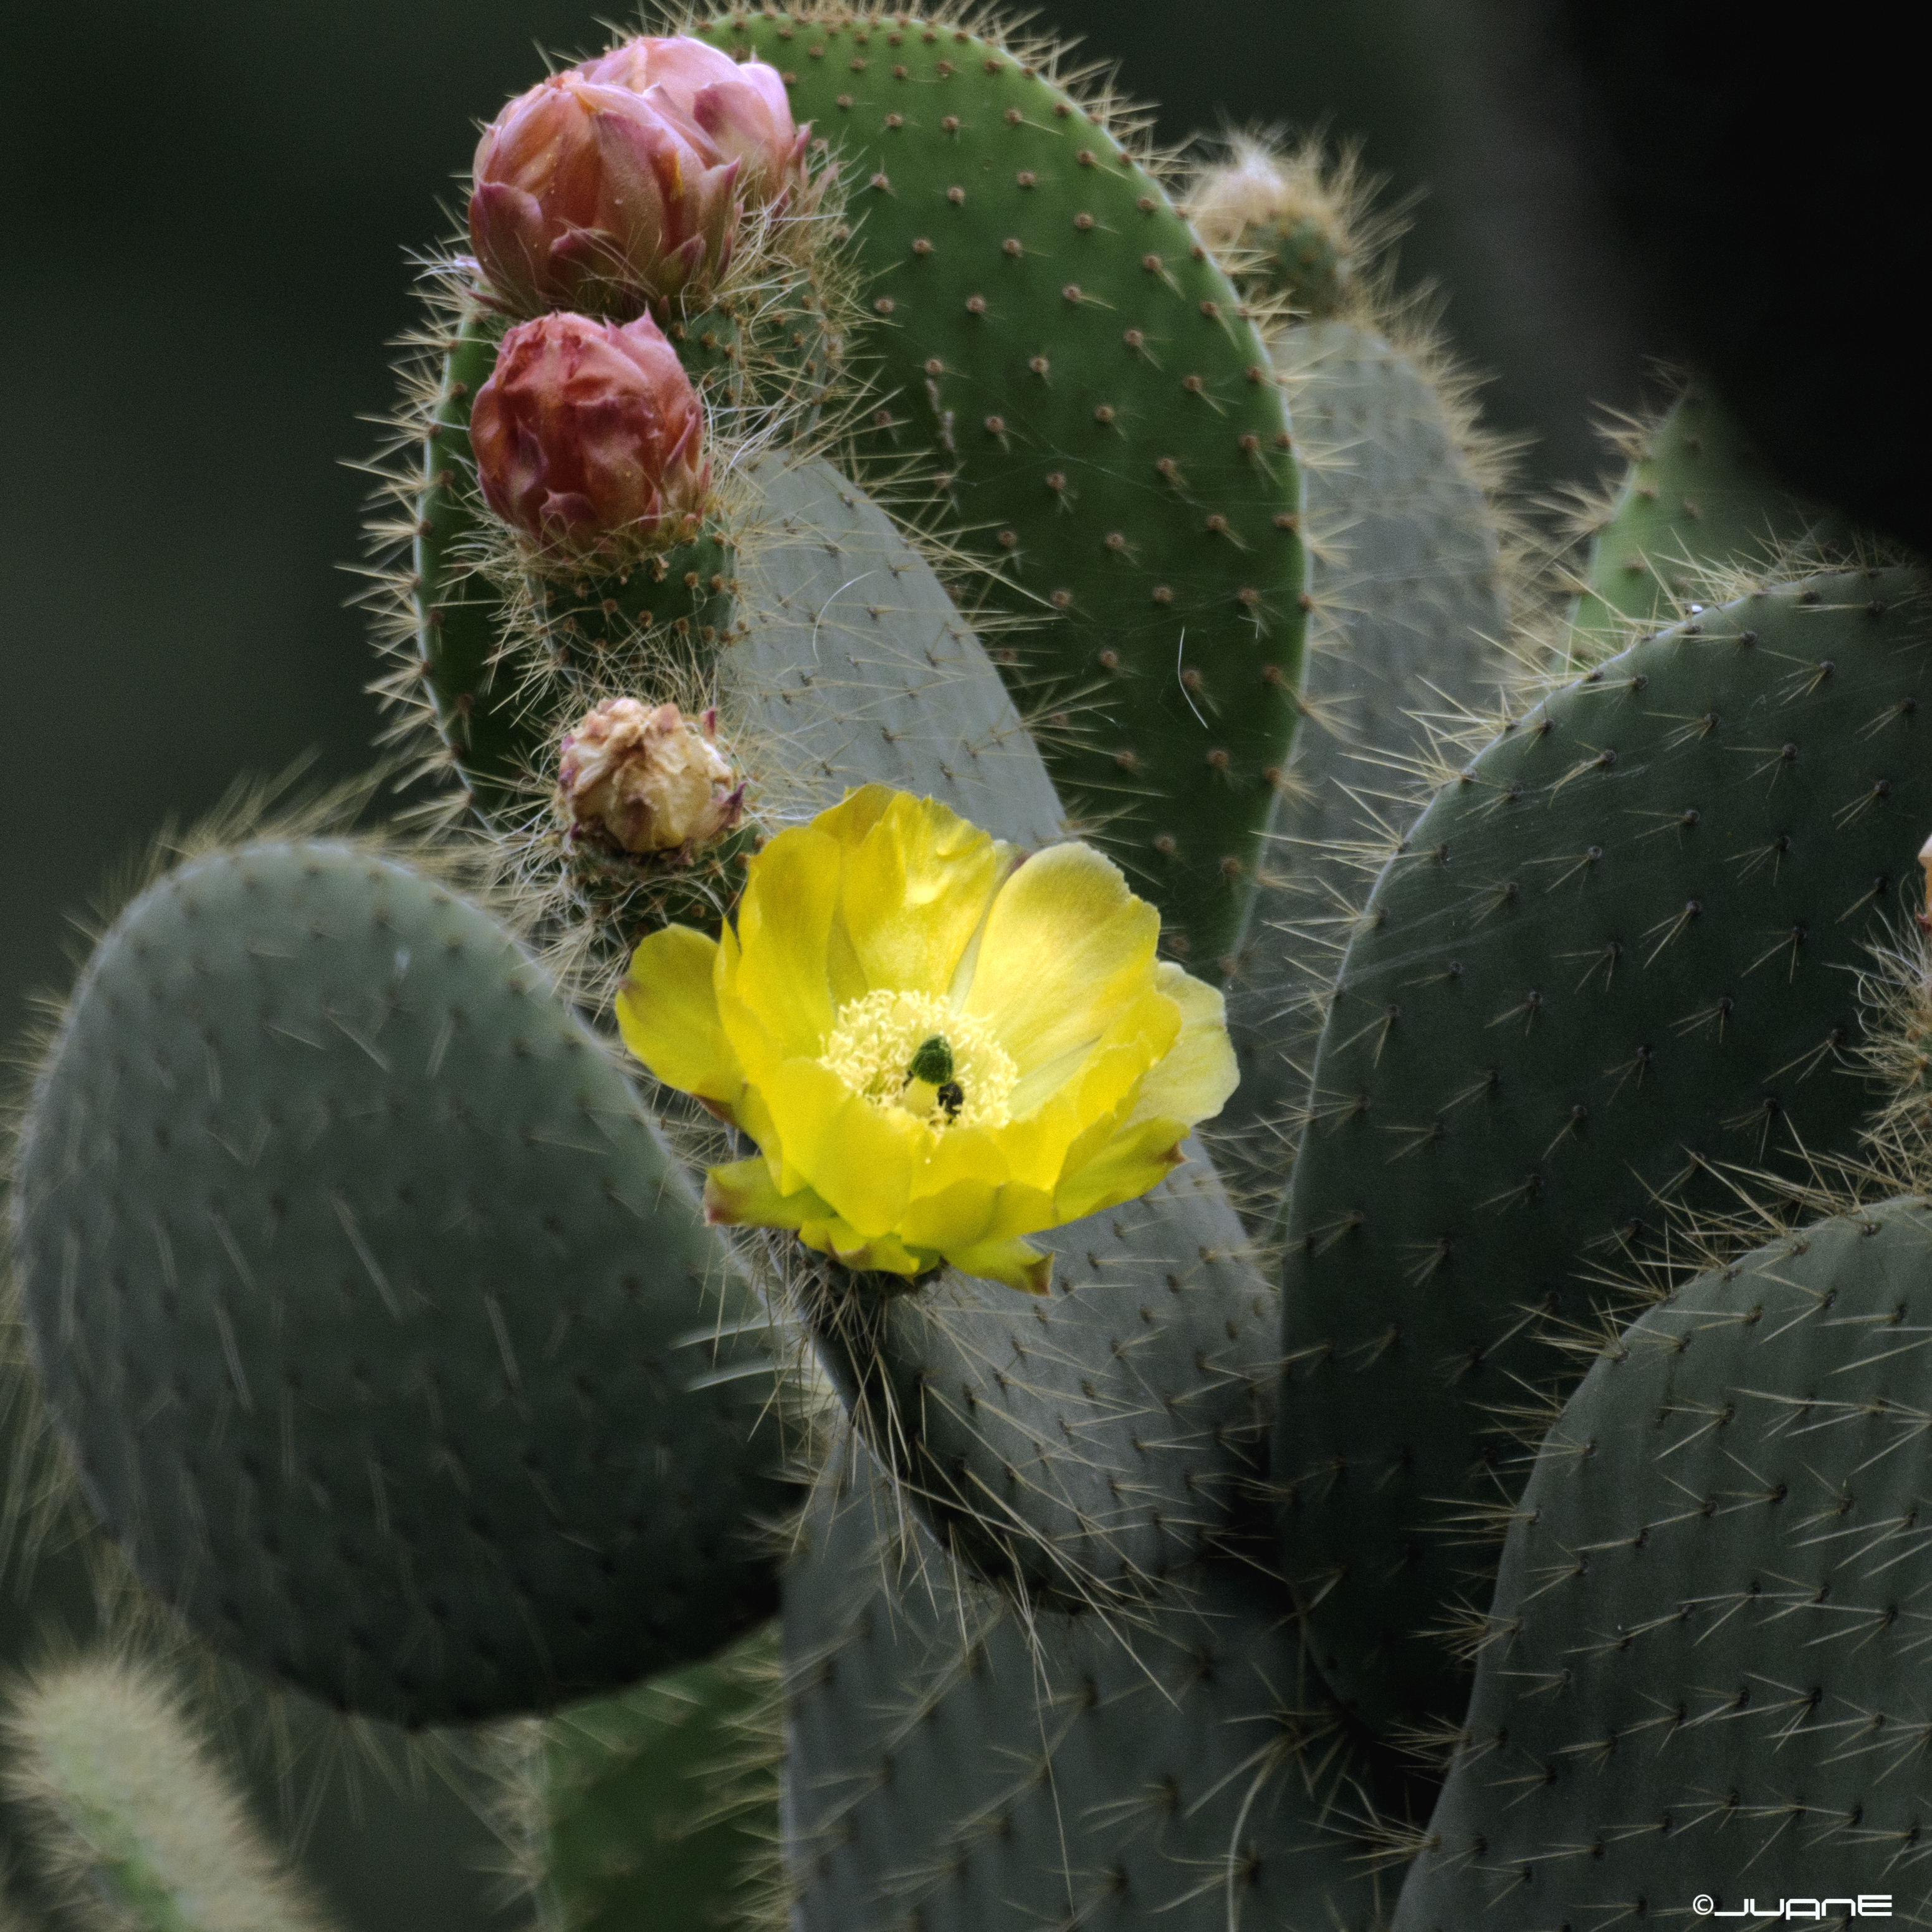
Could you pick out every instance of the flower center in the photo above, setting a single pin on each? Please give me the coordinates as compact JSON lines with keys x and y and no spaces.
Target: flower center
{"x":912,"y":1050}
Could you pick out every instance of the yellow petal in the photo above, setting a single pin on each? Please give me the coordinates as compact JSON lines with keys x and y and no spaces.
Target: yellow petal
{"x":1012,"y":1263}
{"x":668,"y":1013}
{"x":917,"y":889}
{"x":856,"y":813}
{"x":859,"y":1157}
{"x":1193,"y":1080}
{"x":741,"y":1195}
{"x":1066,"y":945}
{"x":783,"y":925}
{"x":1128,"y":1166}
{"x":957,"y":1216}
{"x":885,"y":1253}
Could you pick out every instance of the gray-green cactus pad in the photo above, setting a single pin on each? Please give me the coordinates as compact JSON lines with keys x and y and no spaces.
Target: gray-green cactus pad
{"x":1616,"y":955}
{"x":380,"y":1322}
{"x":1091,"y":1441}
{"x":1411,"y":613}
{"x":850,"y":665}
{"x":1706,"y":1674}
{"x":949,"y":1769}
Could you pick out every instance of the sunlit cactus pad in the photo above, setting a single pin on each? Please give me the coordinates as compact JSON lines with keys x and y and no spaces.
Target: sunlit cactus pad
{"x":386,"y":1334}
{"x":1048,"y":336}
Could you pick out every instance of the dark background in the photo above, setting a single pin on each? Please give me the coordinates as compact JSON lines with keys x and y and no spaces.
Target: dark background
{"x":210,"y":205}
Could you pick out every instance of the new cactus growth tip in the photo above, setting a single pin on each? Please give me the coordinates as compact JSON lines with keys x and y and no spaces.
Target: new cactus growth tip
{"x":1011,"y":680}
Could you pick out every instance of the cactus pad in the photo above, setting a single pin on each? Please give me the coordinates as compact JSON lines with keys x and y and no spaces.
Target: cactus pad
{"x":954,"y":1768}
{"x":1701,"y":1674}
{"x":1695,"y":493}
{"x":1413,"y":611}
{"x":1049,"y":334}
{"x":1090,"y":1442}
{"x":380,"y":1324}
{"x":650,"y":1812}
{"x":1612,"y":958}
{"x":850,"y":665}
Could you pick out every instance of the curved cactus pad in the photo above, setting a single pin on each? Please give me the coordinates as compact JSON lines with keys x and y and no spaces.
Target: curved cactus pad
{"x":1092,"y":1441}
{"x":379,"y":1321}
{"x":1703,"y":1672}
{"x":849,"y":665}
{"x":1048,"y":336}
{"x":1611,"y":959}
{"x":953,"y":1767}
{"x":1414,"y":609}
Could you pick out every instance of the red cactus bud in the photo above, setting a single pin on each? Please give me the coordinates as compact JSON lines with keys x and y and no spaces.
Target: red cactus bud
{"x":646,"y":781}
{"x":740,"y":106}
{"x":593,"y":197}
{"x":589,"y":435}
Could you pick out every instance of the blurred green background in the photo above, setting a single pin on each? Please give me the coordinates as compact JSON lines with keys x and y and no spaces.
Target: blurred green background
{"x":212,"y":205}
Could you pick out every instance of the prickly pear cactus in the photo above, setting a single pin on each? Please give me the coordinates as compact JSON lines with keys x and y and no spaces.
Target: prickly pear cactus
{"x":1092,"y":1533}
{"x":352,"y":1398}
{"x":951,"y":1759}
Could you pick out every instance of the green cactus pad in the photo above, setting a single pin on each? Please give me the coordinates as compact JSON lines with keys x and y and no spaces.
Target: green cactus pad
{"x":1304,"y":257}
{"x":379,"y":1322}
{"x":1703,"y":1674}
{"x":1696,"y":494}
{"x":653,"y":1811}
{"x":1409,"y":577}
{"x":850,"y":665}
{"x":1088,"y":1442}
{"x":1616,"y":956}
{"x":1047,"y":334}
{"x":952,"y":1768}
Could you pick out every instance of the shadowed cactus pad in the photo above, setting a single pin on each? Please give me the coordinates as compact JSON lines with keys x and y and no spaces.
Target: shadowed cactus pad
{"x":1412,"y":608}
{"x":1703,"y":1672}
{"x":952,"y":1768}
{"x":1617,"y":953}
{"x":381,"y":1327}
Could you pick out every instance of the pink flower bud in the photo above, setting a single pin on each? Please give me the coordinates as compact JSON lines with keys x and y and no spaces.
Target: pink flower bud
{"x":591,"y":197}
{"x":646,"y":780}
{"x":589,"y":435}
{"x":740,"y":106}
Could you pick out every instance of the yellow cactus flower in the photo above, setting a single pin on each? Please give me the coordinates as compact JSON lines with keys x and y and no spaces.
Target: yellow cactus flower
{"x":938,"y":1049}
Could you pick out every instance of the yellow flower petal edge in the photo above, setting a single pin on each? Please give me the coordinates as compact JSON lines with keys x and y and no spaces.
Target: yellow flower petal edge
{"x":939,"y":1046}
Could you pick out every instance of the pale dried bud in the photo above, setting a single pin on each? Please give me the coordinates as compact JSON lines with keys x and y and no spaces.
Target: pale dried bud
{"x":588,"y":436}
{"x":739,"y":106}
{"x":1286,"y":213}
{"x":1925,"y":918}
{"x":646,"y":780}
{"x":595,"y":197}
